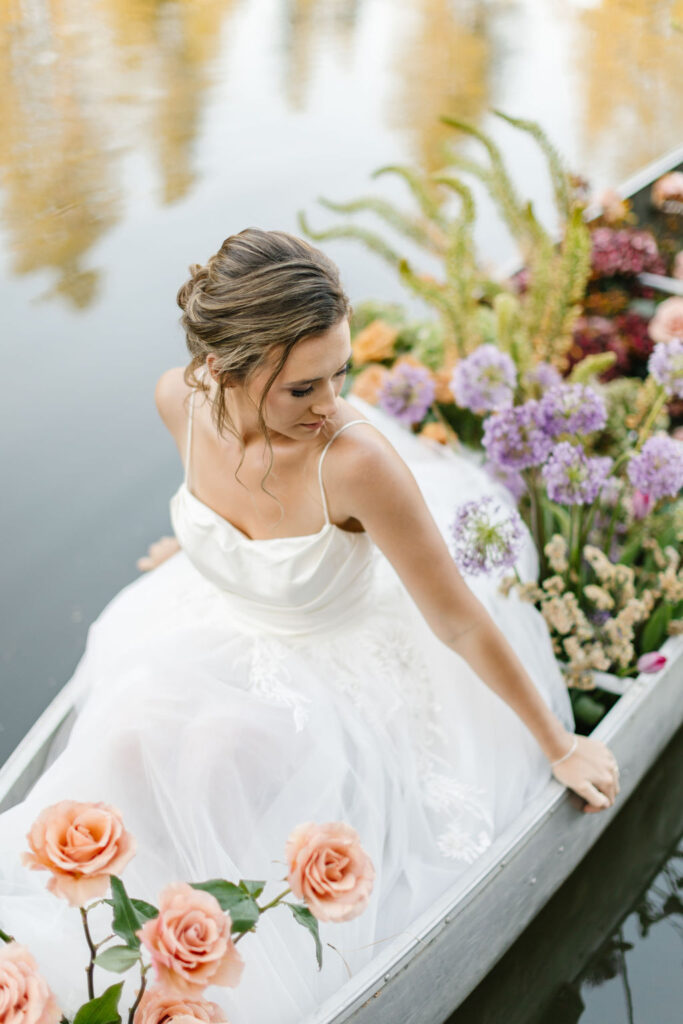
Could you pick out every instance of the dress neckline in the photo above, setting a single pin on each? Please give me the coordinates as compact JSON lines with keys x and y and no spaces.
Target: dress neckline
{"x":267,"y":540}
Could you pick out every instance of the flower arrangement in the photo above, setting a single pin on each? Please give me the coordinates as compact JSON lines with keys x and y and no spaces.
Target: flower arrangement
{"x":190,"y":940}
{"x":565,"y":378}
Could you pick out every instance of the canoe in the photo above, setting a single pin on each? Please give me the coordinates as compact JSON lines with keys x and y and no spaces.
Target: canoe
{"x":422,"y":978}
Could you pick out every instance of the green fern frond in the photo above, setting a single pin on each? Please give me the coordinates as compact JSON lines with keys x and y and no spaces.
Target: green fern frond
{"x":465,"y":193}
{"x":374,"y":242}
{"x":427,"y":200}
{"x":558,"y":173}
{"x":434,"y":294}
{"x":423,"y":233}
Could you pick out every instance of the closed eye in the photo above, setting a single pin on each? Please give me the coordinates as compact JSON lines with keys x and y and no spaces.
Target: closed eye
{"x":307,"y":391}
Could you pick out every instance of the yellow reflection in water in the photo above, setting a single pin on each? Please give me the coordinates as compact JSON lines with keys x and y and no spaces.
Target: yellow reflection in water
{"x":305,"y":22}
{"x":80,"y":84}
{"x":630,"y":63}
{"x":443,"y":68}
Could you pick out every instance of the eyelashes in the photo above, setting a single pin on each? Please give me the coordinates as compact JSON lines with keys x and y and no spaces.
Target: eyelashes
{"x":307,"y":391}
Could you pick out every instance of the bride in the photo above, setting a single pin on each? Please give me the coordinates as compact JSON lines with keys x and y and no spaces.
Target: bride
{"x":311,"y":653}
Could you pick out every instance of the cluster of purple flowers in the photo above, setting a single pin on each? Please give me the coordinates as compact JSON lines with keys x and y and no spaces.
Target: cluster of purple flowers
{"x":666,"y":366}
{"x":657,"y":469}
{"x":487,"y":536}
{"x":484,"y":380}
{"x":515,"y":437}
{"x":407,"y":393}
{"x":571,"y":477}
{"x":544,"y":375}
{"x":572,"y":409}
{"x":624,"y":251}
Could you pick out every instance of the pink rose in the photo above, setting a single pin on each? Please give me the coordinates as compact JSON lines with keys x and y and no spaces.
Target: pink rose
{"x":641,"y":504}
{"x":24,"y":996}
{"x":189,"y":942}
{"x":159,"y":1006}
{"x":668,"y":189}
{"x":329,"y":870}
{"x":667,"y":323}
{"x":651,"y":662}
{"x":82,"y":844}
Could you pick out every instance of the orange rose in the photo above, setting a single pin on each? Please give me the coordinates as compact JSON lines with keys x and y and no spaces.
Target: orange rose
{"x":368,"y":382}
{"x":82,"y":844}
{"x":442,"y":379}
{"x":24,"y":996}
{"x":158,"y":1006}
{"x":374,"y":343}
{"x":435,"y":432}
{"x":667,"y":323}
{"x":329,"y":870}
{"x":189,"y":942}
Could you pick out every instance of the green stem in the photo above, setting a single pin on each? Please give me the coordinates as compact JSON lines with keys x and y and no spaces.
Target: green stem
{"x":273,"y":902}
{"x":650,"y":421}
{"x":537,"y":524}
{"x":143,"y":982}
{"x":5,"y":937}
{"x":90,"y":970}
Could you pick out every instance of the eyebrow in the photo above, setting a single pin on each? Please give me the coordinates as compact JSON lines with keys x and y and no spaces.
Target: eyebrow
{"x":316,"y":380}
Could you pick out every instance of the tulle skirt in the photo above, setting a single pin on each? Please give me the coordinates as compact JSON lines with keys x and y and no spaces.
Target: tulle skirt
{"x":215,"y":743}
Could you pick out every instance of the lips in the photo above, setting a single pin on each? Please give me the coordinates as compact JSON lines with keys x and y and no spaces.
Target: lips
{"x":318,"y":423}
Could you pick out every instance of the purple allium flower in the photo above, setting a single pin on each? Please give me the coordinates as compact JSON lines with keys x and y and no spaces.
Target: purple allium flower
{"x":543,"y":374}
{"x":666,"y":366}
{"x":571,"y":478}
{"x":407,"y":392}
{"x":657,"y":469}
{"x":484,"y":380}
{"x":572,"y":409}
{"x":488,"y":535}
{"x":514,"y":437}
{"x":610,"y":492}
{"x":510,"y":478}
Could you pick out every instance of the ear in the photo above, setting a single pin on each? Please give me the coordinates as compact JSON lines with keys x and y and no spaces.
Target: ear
{"x":211,"y":361}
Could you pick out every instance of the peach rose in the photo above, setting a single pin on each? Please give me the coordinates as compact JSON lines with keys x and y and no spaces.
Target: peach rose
{"x":82,"y":844}
{"x":329,"y":870}
{"x":24,"y":996}
{"x":158,"y":1006}
{"x":368,"y":382}
{"x":435,"y":432}
{"x":189,"y":942}
{"x":442,"y":381}
{"x":614,"y":208}
{"x":374,"y":343}
{"x":668,"y":190}
{"x":667,"y":323}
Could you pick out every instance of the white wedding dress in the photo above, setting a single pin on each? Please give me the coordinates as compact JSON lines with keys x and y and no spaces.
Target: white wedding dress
{"x":246,"y":686}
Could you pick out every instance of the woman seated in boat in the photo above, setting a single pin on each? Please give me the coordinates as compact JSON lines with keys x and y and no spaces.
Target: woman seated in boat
{"x":311,"y":653}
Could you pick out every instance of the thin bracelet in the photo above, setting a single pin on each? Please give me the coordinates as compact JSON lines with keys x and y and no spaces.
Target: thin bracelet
{"x":569,"y":753}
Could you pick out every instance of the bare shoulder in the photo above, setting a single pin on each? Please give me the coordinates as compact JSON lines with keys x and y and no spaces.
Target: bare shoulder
{"x":364,"y":467}
{"x":170,"y":394}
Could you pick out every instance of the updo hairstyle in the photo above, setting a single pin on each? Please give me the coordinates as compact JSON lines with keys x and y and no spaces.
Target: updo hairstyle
{"x":261,"y":293}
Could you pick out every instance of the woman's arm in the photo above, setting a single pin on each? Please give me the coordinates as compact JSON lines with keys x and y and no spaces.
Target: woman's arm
{"x":369,"y":481}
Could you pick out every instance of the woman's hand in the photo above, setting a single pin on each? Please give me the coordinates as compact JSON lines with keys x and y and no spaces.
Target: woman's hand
{"x":157,"y":553}
{"x":592,"y":772}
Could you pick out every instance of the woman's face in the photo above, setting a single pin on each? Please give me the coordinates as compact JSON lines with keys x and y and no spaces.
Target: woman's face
{"x":306,"y":391}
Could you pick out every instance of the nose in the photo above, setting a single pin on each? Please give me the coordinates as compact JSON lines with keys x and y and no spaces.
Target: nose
{"x":325,"y":402}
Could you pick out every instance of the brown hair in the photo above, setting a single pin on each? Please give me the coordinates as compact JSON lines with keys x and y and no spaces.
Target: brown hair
{"x":262,"y":292}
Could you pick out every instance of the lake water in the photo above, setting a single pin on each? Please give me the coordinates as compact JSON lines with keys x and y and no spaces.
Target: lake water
{"x":137,"y":134}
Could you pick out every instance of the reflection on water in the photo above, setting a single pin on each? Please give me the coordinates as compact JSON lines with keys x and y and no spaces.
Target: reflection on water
{"x":87,"y":84}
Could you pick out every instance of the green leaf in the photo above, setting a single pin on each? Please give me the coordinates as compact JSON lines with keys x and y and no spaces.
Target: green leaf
{"x":252,"y":888}
{"x":304,"y":917}
{"x":103,"y":1009}
{"x":126,"y":920}
{"x":244,"y":913}
{"x":588,"y":710}
{"x":145,"y":910}
{"x":117,"y":958}
{"x":654,"y":630}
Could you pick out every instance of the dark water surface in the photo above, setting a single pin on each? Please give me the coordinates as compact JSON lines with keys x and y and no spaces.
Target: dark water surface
{"x":137,"y":134}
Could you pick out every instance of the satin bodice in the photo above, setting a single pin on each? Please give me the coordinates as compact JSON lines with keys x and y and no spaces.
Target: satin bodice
{"x":285,"y":585}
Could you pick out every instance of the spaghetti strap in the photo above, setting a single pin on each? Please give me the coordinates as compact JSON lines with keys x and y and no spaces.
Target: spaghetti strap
{"x":322,"y":456}
{"x":188,"y":445}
